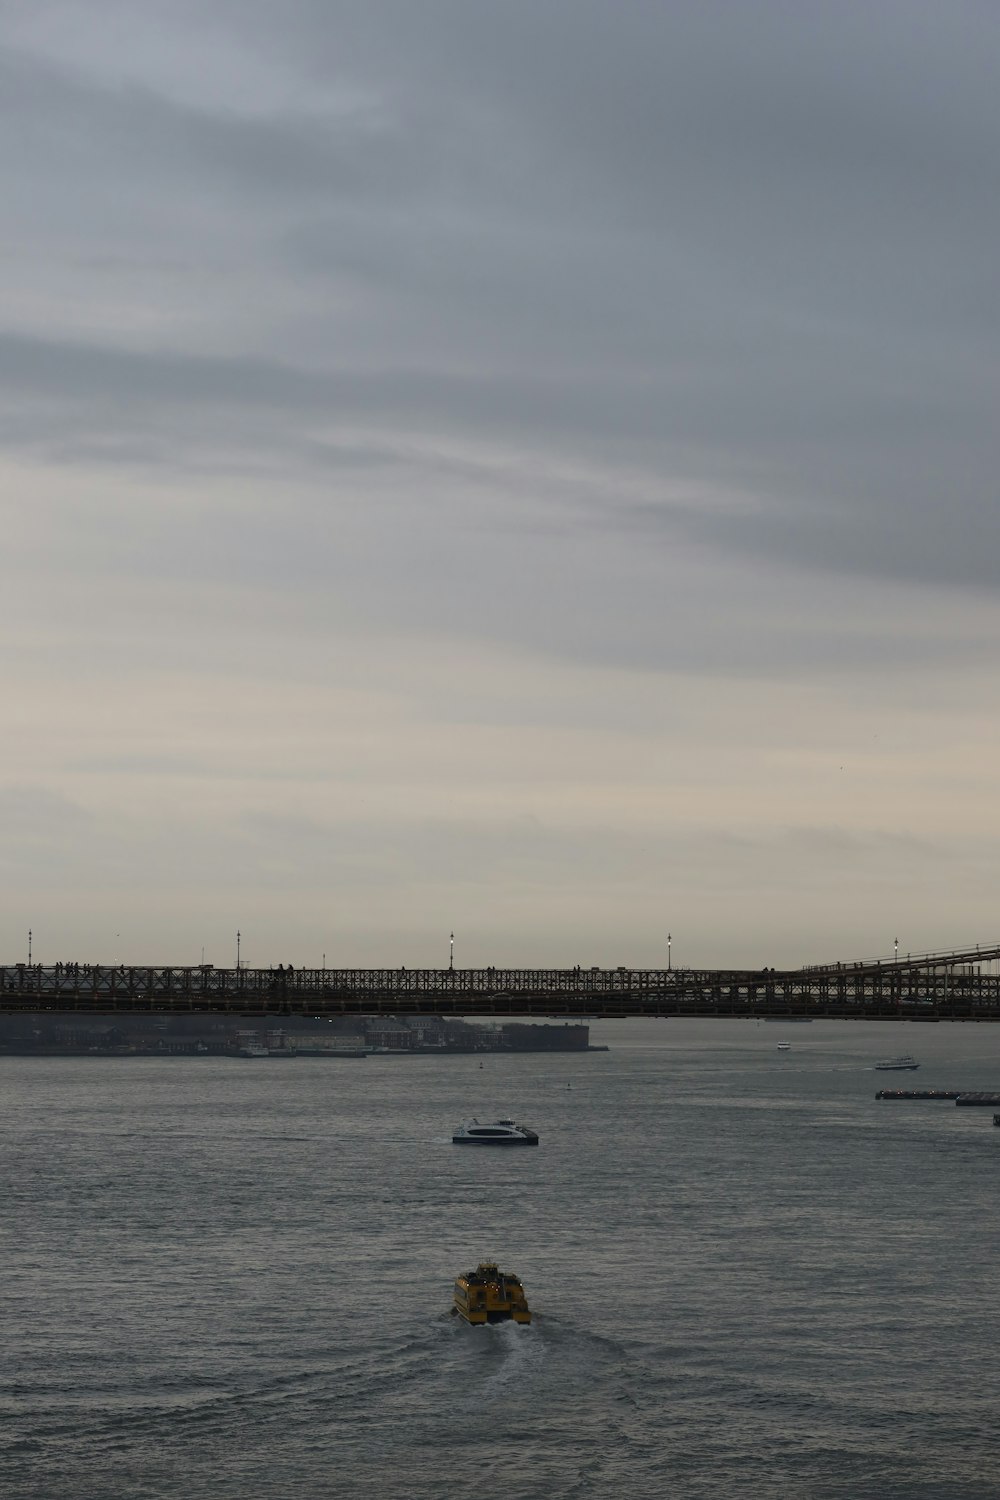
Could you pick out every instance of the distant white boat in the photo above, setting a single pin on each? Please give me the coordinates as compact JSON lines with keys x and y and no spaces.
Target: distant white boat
{"x":784,"y":1046}
{"x":897,"y":1065}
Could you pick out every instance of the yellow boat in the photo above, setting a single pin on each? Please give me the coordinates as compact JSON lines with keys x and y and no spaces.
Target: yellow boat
{"x":487,"y":1295}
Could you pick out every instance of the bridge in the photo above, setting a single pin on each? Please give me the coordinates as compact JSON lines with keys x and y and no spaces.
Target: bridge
{"x":961,"y":984}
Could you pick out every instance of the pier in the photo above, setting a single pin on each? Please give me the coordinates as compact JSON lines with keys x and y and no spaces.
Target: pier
{"x":957,"y":985}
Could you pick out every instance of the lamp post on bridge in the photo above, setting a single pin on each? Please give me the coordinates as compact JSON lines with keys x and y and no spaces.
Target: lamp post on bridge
{"x":29,"y":945}
{"x":451,"y":952}
{"x":237,"y":950}
{"x":897,"y":986}
{"x":669,"y":941}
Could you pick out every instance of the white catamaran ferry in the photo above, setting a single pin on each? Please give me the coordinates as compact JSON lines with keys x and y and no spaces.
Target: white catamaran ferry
{"x":496,"y":1133}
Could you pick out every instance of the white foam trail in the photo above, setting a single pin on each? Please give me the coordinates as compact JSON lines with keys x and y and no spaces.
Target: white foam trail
{"x":523,"y":1353}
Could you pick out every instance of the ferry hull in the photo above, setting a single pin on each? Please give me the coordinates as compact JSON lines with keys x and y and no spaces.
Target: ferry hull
{"x":505,"y":1132}
{"x":515,"y":1315}
{"x":471,"y":1140}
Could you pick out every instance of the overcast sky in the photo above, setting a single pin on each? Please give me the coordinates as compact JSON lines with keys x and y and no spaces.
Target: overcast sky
{"x":520,"y":467}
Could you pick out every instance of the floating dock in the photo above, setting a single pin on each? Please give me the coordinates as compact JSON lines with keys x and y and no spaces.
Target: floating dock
{"x":959,"y":1096}
{"x":953,"y":1094}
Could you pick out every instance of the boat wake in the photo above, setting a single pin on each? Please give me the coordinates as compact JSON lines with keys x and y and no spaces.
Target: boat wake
{"x":519,"y":1357}
{"x":504,"y":1360}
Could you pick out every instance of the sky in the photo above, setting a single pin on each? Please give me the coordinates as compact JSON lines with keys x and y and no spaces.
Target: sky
{"x":519,"y":470}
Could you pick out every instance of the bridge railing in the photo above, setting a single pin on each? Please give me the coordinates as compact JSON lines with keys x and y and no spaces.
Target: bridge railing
{"x":942,"y":980}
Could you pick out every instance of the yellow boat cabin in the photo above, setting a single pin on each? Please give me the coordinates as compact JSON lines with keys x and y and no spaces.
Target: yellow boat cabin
{"x":487,"y":1295}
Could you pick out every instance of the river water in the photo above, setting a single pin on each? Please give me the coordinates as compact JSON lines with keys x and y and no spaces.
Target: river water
{"x":231,"y":1278}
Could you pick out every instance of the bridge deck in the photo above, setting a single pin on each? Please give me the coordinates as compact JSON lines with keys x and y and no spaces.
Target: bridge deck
{"x":959,"y":984}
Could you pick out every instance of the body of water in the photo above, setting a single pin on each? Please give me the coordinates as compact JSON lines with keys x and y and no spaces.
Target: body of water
{"x":232,"y":1278}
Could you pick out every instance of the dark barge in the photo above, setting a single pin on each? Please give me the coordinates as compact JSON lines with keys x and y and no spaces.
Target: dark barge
{"x":960,"y":1096}
{"x":954,"y":1094}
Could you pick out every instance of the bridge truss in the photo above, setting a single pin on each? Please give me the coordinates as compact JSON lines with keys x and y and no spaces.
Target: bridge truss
{"x":960,"y":984}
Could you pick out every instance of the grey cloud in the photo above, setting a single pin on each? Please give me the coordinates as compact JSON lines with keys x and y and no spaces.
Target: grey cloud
{"x":128,"y":136}
{"x":569,"y":366}
{"x":743,"y":248}
{"x":37,"y":815}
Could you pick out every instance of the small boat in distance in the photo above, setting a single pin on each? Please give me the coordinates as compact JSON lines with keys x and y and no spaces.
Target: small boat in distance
{"x":897,"y":1065}
{"x":497,"y":1133}
{"x":487,"y":1295}
{"x":784,"y":1046}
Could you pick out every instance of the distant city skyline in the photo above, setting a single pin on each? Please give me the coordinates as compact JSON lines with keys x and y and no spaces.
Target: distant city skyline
{"x":520,"y":471}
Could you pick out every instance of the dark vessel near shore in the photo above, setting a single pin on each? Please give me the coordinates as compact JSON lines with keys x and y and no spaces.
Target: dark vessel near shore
{"x":958,"y":1096}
